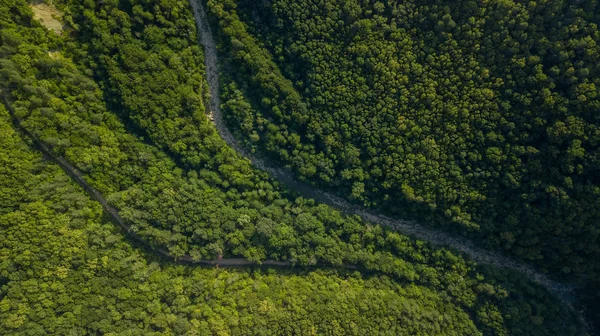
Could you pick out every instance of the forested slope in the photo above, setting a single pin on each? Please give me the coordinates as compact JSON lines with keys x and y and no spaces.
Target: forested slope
{"x":66,"y":270}
{"x":197,"y":198}
{"x":481,"y":117}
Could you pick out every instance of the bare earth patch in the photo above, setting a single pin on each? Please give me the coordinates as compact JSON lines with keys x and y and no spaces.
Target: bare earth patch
{"x":48,"y":16}
{"x":54,"y":54}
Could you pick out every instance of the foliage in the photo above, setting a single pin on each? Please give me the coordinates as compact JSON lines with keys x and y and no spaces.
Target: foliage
{"x":60,"y":253}
{"x":477,"y":116}
{"x":65,"y":270}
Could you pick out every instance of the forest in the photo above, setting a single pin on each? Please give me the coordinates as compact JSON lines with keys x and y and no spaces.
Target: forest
{"x":66,"y":270}
{"x":121,"y":95}
{"x":480,"y":118}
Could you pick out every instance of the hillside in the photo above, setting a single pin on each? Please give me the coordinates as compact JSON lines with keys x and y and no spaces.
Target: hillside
{"x":475,"y":117}
{"x":120,"y":93}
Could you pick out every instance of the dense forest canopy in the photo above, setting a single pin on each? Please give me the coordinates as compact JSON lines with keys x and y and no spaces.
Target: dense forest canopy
{"x":66,"y":270}
{"x":120,"y":95}
{"x":482,"y":117}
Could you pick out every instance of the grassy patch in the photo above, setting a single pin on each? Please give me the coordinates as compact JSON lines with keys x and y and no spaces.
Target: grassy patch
{"x":48,"y":16}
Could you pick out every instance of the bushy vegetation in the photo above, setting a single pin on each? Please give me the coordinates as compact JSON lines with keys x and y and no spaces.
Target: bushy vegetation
{"x":477,"y":116}
{"x":64,"y":269}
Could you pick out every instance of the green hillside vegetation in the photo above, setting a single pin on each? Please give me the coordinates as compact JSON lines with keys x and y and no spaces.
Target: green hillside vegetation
{"x":480,"y":117}
{"x":65,"y":269}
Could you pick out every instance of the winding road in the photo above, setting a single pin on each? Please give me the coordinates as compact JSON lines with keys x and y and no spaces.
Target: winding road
{"x":410,"y":228}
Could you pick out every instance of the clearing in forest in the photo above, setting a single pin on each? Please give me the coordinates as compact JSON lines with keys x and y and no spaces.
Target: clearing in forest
{"x":47,"y":15}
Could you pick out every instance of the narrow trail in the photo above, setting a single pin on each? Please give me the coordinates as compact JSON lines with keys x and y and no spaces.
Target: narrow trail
{"x":411,"y":228}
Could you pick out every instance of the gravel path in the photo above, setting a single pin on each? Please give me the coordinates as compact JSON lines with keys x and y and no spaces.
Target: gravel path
{"x":410,"y":228}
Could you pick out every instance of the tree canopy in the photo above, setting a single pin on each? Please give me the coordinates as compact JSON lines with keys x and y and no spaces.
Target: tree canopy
{"x":479,"y":117}
{"x":120,"y":95}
